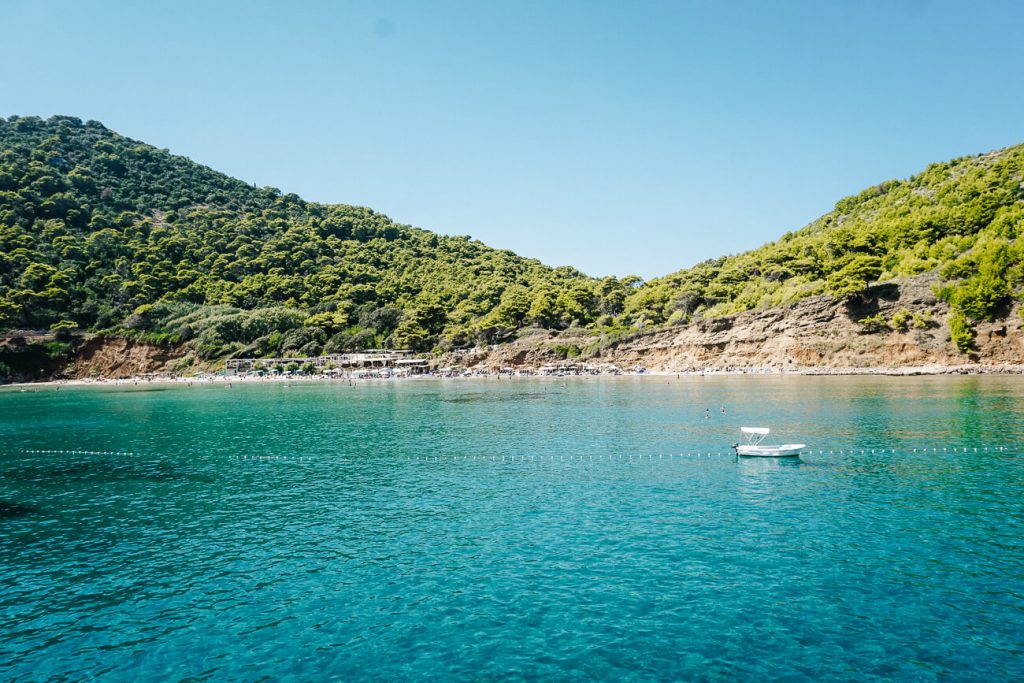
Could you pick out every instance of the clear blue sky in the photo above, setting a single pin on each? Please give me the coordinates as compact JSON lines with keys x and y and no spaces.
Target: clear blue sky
{"x":618,"y":137}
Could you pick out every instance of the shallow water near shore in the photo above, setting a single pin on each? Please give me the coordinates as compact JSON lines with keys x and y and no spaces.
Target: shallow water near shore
{"x":532,"y":528}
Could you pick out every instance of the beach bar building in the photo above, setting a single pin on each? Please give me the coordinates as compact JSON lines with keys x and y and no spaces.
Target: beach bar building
{"x":372,"y":359}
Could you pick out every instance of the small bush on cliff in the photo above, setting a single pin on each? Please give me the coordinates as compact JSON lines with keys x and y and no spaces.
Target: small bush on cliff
{"x":900,"y":320}
{"x":874,"y":323}
{"x":921,"y":321}
{"x":566,"y":350}
{"x":961,"y":332}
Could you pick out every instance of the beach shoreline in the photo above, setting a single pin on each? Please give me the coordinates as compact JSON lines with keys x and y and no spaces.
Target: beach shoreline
{"x":231,"y":380}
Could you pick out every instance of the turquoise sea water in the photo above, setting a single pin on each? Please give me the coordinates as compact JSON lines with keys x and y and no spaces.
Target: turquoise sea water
{"x":534,"y":529}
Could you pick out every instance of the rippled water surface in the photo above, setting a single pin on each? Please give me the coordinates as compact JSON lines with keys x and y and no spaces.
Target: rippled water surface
{"x":569,"y":529}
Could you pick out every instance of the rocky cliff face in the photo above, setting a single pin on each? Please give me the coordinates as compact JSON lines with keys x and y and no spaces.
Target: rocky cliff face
{"x":819,"y":333}
{"x":118,"y":358}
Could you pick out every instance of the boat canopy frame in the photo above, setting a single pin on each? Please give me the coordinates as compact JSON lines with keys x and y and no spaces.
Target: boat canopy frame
{"x":755,"y":435}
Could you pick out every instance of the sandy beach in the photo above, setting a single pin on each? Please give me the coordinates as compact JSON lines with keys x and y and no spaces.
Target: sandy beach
{"x":228,"y":380}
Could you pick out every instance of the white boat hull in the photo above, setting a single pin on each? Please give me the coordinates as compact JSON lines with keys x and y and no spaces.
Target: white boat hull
{"x":787,"y":450}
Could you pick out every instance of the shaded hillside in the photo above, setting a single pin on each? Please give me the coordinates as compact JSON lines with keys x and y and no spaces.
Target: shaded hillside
{"x":960,"y":218}
{"x":101,"y":232}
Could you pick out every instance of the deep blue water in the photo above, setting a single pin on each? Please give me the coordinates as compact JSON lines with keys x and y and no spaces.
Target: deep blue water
{"x":535,"y":529}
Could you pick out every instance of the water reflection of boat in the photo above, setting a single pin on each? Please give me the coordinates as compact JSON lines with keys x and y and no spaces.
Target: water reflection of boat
{"x":754,"y":448}
{"x":757,"y":467}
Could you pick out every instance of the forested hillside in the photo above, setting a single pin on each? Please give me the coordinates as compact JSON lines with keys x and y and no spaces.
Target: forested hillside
{"x":101,"y":232}
{"x":961,"y":218}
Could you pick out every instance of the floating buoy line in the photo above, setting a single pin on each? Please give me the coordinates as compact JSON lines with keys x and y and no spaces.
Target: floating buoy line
{"x":55,"y":452}
{"x":647,"y":457}
{"x":601,"y":457}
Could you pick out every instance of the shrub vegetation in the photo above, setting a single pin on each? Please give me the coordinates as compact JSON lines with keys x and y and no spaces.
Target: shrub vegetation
{"x":103,"y":233}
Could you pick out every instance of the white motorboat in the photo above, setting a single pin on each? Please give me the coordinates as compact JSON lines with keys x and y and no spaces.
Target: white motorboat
{"x":754,"y":447}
